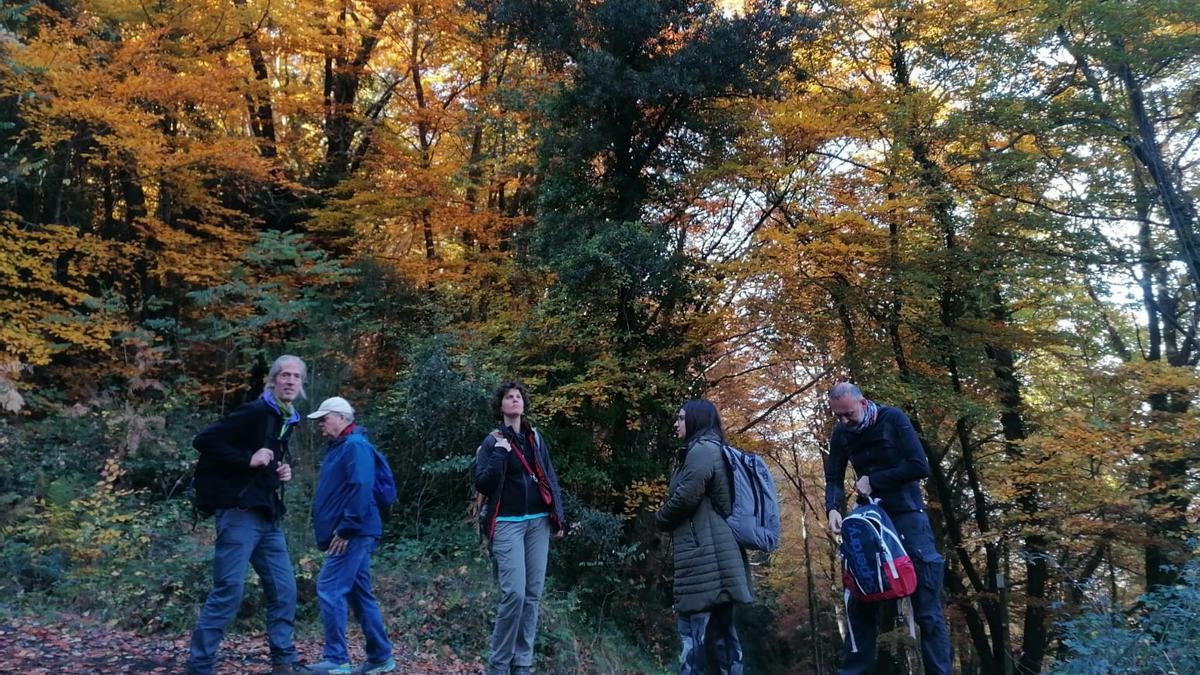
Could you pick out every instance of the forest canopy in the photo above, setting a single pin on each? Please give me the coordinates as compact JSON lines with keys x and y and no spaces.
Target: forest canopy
{"x":983,"y":213}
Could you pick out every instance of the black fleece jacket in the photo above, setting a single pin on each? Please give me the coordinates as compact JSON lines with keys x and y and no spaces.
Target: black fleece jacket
{"x":224,"y":478}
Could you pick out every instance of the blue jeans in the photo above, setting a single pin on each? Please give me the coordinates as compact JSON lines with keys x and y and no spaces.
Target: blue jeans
{"x":917,"y":535}
{"x":246,"y":537}
{"x":346,"y":580}
{"x":706,"y":634}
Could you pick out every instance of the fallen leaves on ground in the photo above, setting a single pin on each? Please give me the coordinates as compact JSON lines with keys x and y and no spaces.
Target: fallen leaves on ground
{"x":73,"y":645}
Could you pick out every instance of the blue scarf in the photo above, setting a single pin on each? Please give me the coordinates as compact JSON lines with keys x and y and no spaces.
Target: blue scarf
{"x":869,"y":416}
{"x":287,"y":411}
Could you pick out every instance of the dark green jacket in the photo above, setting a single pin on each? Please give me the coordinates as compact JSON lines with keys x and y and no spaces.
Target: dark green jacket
{"x":710,"y":567}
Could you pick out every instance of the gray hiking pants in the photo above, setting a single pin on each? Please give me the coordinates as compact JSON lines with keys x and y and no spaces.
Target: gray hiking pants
{"x":519,"y":552}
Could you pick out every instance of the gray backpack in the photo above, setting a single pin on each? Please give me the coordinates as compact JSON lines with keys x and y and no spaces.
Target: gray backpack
{"x":755,"y":516}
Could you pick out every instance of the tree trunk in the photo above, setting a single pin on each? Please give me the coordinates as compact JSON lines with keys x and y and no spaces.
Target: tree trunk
{"x":1178,"y":205}
{"x":1034,"y":543}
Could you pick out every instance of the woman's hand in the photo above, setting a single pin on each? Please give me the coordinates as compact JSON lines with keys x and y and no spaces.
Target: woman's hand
{"x":502,"y":442}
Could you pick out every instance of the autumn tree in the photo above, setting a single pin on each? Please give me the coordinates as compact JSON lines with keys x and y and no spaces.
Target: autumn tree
{"x":648,"y":103}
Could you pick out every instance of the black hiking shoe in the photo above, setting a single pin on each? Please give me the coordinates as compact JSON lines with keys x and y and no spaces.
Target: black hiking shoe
{"x":288,"y":668}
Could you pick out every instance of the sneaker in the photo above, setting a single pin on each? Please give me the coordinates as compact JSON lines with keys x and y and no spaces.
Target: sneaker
{"x":385,"y":667}
{"x":286,"y":668}
{"x":326,"y":666}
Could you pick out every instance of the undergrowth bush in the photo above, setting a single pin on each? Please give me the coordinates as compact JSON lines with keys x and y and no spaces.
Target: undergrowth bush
{"x":106,"y":552}
{"x":1160,"y":635}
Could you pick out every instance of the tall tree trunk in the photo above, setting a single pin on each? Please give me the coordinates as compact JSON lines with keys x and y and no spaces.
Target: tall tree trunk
{"x":1174,"y":198}
{"x":1167,"y":493}
{"x":425,"y":130}
{"x":951,"y":309}
{"x":258,"y":102}
{"x":262,"y":113}
{"x":1034,"y":542}
{"x":344,"y":70}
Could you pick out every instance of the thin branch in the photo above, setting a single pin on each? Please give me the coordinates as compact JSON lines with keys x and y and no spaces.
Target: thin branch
{"x":784,"y":401}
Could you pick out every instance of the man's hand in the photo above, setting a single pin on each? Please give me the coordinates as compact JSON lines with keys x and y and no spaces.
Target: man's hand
{"x":835,"y":521}
{"x":284,"y":472}
{"x":261,"y":457}
{"x":863,"y":485}
{"x":337,"y":546}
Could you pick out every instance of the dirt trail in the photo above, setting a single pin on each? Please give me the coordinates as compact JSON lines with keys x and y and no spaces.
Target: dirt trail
{"x":72,"y":645}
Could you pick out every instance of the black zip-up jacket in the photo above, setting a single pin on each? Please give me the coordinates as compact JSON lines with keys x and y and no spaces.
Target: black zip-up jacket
{"x":506,"y":485}
{"x":889,"y":452}
{"x":224,"y":479}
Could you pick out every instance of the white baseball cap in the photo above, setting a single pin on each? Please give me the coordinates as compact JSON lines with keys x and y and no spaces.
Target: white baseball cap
{"x":337,"y":404}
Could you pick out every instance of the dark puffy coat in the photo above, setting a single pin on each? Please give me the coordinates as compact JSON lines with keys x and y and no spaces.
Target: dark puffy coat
{"x":710,"y":566}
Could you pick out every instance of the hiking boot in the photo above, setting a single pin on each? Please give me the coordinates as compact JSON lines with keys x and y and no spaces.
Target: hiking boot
{"x":288,"y":668}
{"x":382,"y":667}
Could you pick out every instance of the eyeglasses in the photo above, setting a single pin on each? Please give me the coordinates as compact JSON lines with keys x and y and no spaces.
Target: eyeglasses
{"x":843,"y":415}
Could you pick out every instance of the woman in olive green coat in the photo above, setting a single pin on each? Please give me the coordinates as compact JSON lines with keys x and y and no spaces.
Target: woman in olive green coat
{"x":711,"y":570}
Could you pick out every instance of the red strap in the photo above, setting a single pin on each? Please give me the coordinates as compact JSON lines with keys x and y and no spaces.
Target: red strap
{"x":526,"y":464}
{"x":536,"y":471}
{"x":532,"y":440}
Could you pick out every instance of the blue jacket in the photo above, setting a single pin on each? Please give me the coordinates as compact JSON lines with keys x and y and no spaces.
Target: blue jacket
{"x":344,"y":504}
{"x":889,"y":452}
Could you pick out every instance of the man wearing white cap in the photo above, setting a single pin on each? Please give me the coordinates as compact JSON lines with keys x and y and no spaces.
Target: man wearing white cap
{"x":347,"y":526}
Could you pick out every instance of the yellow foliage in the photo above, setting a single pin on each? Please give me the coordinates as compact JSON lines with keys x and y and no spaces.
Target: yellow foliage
{"x":45,"y":305}
{"x":644,"y":496}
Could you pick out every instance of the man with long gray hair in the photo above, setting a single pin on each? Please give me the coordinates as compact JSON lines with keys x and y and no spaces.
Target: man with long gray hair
{"x":890,"y":463}
{"x":243,"y":464}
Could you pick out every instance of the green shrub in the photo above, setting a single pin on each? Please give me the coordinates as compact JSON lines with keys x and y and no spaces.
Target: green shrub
{"x":109,"y":553}
{"x":429,"y":424}
{"x":1161,"y":635}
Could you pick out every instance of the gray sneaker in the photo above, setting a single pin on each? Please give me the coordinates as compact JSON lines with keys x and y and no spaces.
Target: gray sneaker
{"x":384,"y":667}
{"x":324,"y":666}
